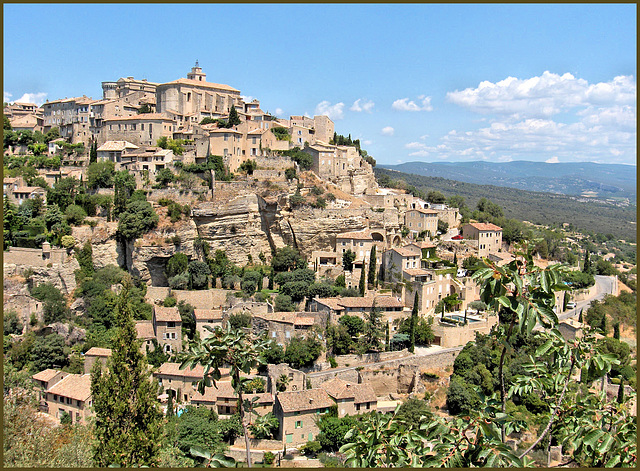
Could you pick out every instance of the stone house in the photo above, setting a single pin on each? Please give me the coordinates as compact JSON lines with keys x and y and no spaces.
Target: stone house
{"x":419,"y":220}
{"x":193,"y":98}
{"x":146,"y":333}
{"x":297,"y":412}
{"x":71,"y":117}
{"x":297,"y":380}
{"x":210,"y":317}
{"x":24,"y":305}
{"x":43,"y":381}
{"x":449,"y":335}
{"x":182,"y":384}
{"x":72,"y":394}
{"x":281,"y":327}
{"x":224,"y":400}
{"x":95,"y":354}
{"x":351,"y":398}
{"x":571,"y":329}
{"x":29,"y":122}
{"x":398,"y":259}
{"x":489,"y":236}
{"x":390,"y":307}
{"x":359,"y":242}
{"x":331,"y":161}
{"x":167,"y":325}
{"x":142,"y":129}
{"x":113,"y":150}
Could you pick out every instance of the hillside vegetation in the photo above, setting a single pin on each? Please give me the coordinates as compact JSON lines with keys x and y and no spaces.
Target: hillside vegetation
{"x":535,"y":207}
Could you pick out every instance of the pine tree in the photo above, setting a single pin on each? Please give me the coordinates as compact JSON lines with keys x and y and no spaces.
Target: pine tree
{"x":128,"y":418}
{"x":414,"y":323}
{"x":363,"y":276}
{"x":234,"y":119}
{"x":372,"y":267}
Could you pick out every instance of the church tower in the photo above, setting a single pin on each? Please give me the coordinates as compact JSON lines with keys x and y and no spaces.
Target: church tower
{"x":197,"y":74}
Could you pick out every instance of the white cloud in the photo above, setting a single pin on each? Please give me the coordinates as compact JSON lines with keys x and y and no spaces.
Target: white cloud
{"x":552,"y":160}
{"x":419,"y":153}
{"x":38,"y":98}
{"x":544,"y":96}
{"x":404,"y":104}
{"x":332,"y":111}
{"x":415,"y":145}
{"x":247,"y":98}
{"x":362,"y":105}
{"x":7,"y":97}
{"x":387,"y":131}
{"x":279,"y":112}
{"x":367,"y":142}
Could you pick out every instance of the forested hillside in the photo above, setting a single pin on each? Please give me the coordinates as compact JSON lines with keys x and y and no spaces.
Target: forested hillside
{"x":535,"y":207}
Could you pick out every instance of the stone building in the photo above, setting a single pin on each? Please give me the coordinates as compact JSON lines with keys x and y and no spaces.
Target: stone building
{"x":298,"y":412}
{"x":281,"y":327}
{"x":182,"y":384}
{"x":211,"y":317}
{"x":419,"y":220}
{"x":95,"y":354}
{"x":351,"y":398}
{"x":43,"y":381}
{"x":296,"y":379}
{"x":141,"y":130}
{"x":71,"y":117}
{"x":390,"y":307}
{"x":489,"y":237}
{"x":167,"y":325}
{"x":193,"y":99}
{"x":71,"y":395}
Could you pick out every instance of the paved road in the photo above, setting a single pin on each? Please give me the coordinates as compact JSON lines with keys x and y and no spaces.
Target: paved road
{"x":604,"y":284}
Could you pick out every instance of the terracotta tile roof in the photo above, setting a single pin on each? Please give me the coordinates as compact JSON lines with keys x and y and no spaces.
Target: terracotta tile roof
{"x":45,"y":375}
{"x":357,"y":235}
{"x":198,"y":83}
{"x":173,"y":369}
{"x":27,"y":189}
{"x":423,"y":211}
{"x":485,"y":226}
{"x":117,"y":146}
{"x":332,"y":303}
{"x":423,"y":244}
{"x":367,"y":302}
{"x":408,"y":251}
{"x":142,"y":117}
{"x":415,"y":271}
{"x":224,"y":130}
{"x":145,"y":330}
{"x":337,"y":388}
{"x":304,"y":321}
{"x":167,"y":314}
{"x":285,"y":317}
{"x":74,"y":386}
{"x":207,"y":314}
{"x":210,"y":395}
{"x":98,"y":352}
{"x":309,"y":399}
{"x":364,"y":393}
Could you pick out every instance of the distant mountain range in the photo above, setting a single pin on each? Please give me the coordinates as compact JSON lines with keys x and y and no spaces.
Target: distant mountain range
{"x":603,"y":181}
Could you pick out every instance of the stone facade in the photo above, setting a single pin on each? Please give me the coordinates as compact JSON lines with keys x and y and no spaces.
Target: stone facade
{"x":489,"y":237}
{"x":419,"y":220}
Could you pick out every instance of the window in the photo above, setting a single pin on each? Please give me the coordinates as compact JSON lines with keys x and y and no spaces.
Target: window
{"x":310,"y":436}
{"x":142,"y":126}
{"x":289,"y":438}
{"x":273,"y":334}
{"x":298,"y":423}
{"x":55,"y":397}
{"x":226,"y":137}
{"x":171,"y":324}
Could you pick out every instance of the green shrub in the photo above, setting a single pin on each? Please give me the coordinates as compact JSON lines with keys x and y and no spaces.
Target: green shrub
{"x":170,"y":301}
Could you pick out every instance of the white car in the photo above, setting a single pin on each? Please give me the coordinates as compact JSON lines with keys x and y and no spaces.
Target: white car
{"x":571,"y":305}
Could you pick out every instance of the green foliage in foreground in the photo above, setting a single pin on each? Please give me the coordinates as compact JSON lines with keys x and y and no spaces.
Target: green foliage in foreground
{"x":593,"y":430}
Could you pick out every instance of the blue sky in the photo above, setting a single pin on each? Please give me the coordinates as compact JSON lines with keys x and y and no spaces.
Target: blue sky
{"x":412,"y":82}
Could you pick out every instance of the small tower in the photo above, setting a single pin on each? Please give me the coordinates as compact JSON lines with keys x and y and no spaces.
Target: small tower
{"x":197,"y":74}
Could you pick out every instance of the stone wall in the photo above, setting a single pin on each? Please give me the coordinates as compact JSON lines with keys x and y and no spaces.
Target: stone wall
{"x":344,"y":360}
{"x":276,"y":162}
{"x":179,"y":196}
{"x":34,"y":257}
{"x":271,"y":175}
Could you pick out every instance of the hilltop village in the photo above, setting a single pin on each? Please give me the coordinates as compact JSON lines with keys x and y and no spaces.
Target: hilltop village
{"x":222,"y":214}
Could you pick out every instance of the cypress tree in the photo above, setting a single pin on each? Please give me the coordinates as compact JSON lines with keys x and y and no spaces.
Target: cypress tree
{"x":363,"y":275}
{"x":128,"y":418}
{"x":620,"y":399}
{"x":93,"y":153}
{"x":234,"y":119}
{"x":587,"y":263}
{"x":616,"y":331}
{"x":414,"y":322}
{"x":455,"y":259}
{"x":565,"y":300}
{"x":372,"y":267}
{"x":580,"y":316}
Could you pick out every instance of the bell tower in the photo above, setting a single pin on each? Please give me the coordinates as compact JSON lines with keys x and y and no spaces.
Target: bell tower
{"x":197,"y":74}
